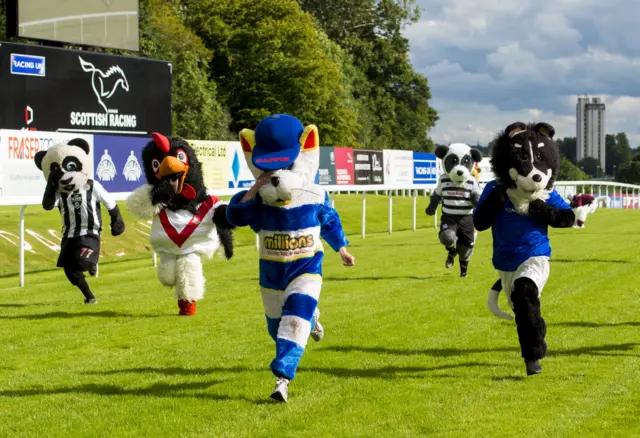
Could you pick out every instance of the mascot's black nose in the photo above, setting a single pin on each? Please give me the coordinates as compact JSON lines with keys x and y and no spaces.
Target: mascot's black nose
{"x":536,"y":178}
{"x":460,"y":172}
{"x":275,"y":181}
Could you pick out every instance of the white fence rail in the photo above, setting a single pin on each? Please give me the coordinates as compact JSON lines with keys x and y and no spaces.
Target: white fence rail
{"x":620,"y":196}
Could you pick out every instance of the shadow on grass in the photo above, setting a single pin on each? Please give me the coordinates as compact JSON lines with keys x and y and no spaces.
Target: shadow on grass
{"x":589,"y":324}
{"x":593,"y":261}
{"x":399,"y":277}
{"x":390,"y":372}
{"x":597,"y":350}
{"x":69,"y":315}
{"x":177,"y":371}
{"x":160,"y":390}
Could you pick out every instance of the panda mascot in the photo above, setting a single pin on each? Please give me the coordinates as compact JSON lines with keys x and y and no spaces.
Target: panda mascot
{"x":459,"y":192}
{"x":519,"y":206}
{"x":290,"y":213}
{"x":66,"y":168}
{"x":188,"y":222}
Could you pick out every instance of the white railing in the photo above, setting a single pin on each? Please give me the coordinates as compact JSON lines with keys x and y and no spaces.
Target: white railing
{"x":628,"y":194}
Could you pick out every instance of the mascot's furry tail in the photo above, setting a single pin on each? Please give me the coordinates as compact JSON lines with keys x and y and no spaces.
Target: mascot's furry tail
{"x":224,"y":227}
{"x":492,"y":301}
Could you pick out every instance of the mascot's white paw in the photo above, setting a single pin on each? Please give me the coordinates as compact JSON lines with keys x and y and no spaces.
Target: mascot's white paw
{"x":139,"y":202}
{"x":492,"y":303}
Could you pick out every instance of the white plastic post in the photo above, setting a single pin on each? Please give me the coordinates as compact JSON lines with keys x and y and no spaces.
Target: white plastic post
{"x":364,"y":213}
{"x":415,"y":206}
{"x":155,"y":259}
{"x":257,"y":241}
{"x":22,"y":245}
{"x":390,"y":213}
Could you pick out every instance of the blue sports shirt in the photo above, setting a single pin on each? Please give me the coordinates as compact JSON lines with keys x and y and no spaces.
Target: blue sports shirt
{"x":517,"y":237}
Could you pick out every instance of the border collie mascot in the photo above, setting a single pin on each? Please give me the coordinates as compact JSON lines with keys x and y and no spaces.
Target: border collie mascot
{"x":459,"y":192}
{"x":66,"y":168}
{"x":519,"y":206}
{"x":583,"y":205}
{"x":290,"y":213}
{"x":188,"y":222}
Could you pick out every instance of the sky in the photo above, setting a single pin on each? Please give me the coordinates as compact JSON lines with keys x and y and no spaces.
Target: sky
{"x":494,"y":62}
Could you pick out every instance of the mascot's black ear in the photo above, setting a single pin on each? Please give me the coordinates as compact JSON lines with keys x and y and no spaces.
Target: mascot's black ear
{"x":515,"y":129}
{"x":39,"y":157}
{"x":476,"y":155}
{"x":441,"y":151}
{"x":545,"y":129}
{"x":81,"y":143}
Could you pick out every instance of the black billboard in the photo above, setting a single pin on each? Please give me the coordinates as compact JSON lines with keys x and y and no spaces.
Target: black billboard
{"x":368,"y":167}
{"x":51,"y":89}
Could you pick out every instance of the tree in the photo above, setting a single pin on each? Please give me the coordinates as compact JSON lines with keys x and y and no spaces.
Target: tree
{"x":270,"y":57}
{"x":393,"y":100}
{"x":629,"y":172}
{"x":570,"y":172}
{"x":567,"y":147}
{"x":590,"y":166}
{"x":618,"y":151}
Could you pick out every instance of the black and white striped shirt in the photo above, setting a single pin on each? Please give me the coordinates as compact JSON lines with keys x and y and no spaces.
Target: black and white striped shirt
{"x":80,"y":209}
{"x":456,"y":199}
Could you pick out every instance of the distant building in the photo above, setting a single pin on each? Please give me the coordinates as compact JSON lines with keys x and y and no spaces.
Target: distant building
{"x":590,"y":132}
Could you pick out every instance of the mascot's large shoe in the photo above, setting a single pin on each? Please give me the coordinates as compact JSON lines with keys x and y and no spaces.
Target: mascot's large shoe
{"x":188,"y":222}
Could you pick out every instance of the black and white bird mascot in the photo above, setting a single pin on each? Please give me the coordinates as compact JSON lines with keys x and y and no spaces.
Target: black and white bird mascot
{"x":66,"y":168}
{"x":459,"y":192}
{"x":519,"y":207}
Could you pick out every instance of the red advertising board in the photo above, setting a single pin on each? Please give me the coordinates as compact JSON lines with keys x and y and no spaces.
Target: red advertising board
{"x":344,"y":166}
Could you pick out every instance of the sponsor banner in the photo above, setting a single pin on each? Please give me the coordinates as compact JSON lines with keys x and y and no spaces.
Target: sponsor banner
{"x":215,"y":164}
{"x":398,"y":167}
{"x":425,"y":168}
{"x":52,"y":89}
{"x":118,"y":162}
{"x":344,"y":166}
{"x":19,"y":175}
{"x":327,"y":171}
{"x":240,"y":175}
{"x":368,"y":167}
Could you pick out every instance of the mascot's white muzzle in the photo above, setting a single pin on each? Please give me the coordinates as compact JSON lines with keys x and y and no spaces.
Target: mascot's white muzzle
{"x":281,"y":187}
{"x":71,"y":181}
{"x":459,"y":174}
{"x":533,"y":182}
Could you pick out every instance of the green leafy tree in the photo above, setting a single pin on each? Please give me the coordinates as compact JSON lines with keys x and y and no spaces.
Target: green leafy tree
{"x":3,"y":21}
{"x":590,"y":166}
{"x":629,"y":172}
{"x":570,"y":172}
{"x":567,"y":147}
{"x":196,"y":111}
{"x":270,"y":57}
{"x":618,"y":151}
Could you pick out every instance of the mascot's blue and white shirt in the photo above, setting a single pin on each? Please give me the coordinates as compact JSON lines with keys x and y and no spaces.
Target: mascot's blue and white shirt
{"x":290,"y":243}
{"x":518,"y":237}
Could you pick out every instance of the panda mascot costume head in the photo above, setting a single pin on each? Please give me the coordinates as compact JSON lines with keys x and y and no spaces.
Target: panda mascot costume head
{"x":66,"y":168}
{"x":188,"y":222}
{"x":459,"y":192}
{"x":291,"y":214}
{"x":519,"y":206}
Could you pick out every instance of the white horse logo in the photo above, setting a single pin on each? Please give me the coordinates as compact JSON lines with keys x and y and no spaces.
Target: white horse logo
{"x":106,"y":83}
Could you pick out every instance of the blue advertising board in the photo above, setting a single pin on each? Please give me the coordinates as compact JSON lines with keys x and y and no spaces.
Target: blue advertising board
{"x":28,"y":65}
{"x":118,"y":162}
{"x":425,"y":168}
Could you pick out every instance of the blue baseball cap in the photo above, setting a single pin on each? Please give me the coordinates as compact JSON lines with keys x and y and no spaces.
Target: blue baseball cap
{"x":277,"y":142}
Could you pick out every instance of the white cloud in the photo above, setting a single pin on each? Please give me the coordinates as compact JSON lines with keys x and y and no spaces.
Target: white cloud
{"x":493,"y":62}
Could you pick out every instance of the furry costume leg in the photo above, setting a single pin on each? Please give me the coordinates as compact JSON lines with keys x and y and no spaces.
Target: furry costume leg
{"x":77,"y":279}
{"x":167,"y":270}
{"x":532,"y":328}
{"x":291,"y":323}
{"x":189,"y":283}
{"x":448,"y":237}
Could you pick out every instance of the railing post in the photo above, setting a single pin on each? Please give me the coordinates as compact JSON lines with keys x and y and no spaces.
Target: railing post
{"x":22,"y":245}
{"x":390,"y":213}
{"x":257,"y":241}
{"x":364,"y":213}
{"x":415,"y":206}
{"x":154,"y":257}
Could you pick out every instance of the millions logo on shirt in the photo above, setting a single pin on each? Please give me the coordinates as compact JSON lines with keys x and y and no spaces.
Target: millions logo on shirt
{"x":285,"y":242}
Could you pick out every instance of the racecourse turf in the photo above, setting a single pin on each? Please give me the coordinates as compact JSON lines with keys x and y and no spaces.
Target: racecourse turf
{"x":410,"y":348}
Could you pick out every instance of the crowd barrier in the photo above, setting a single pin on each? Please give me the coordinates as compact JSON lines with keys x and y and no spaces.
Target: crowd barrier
{"x":618,"y":195}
